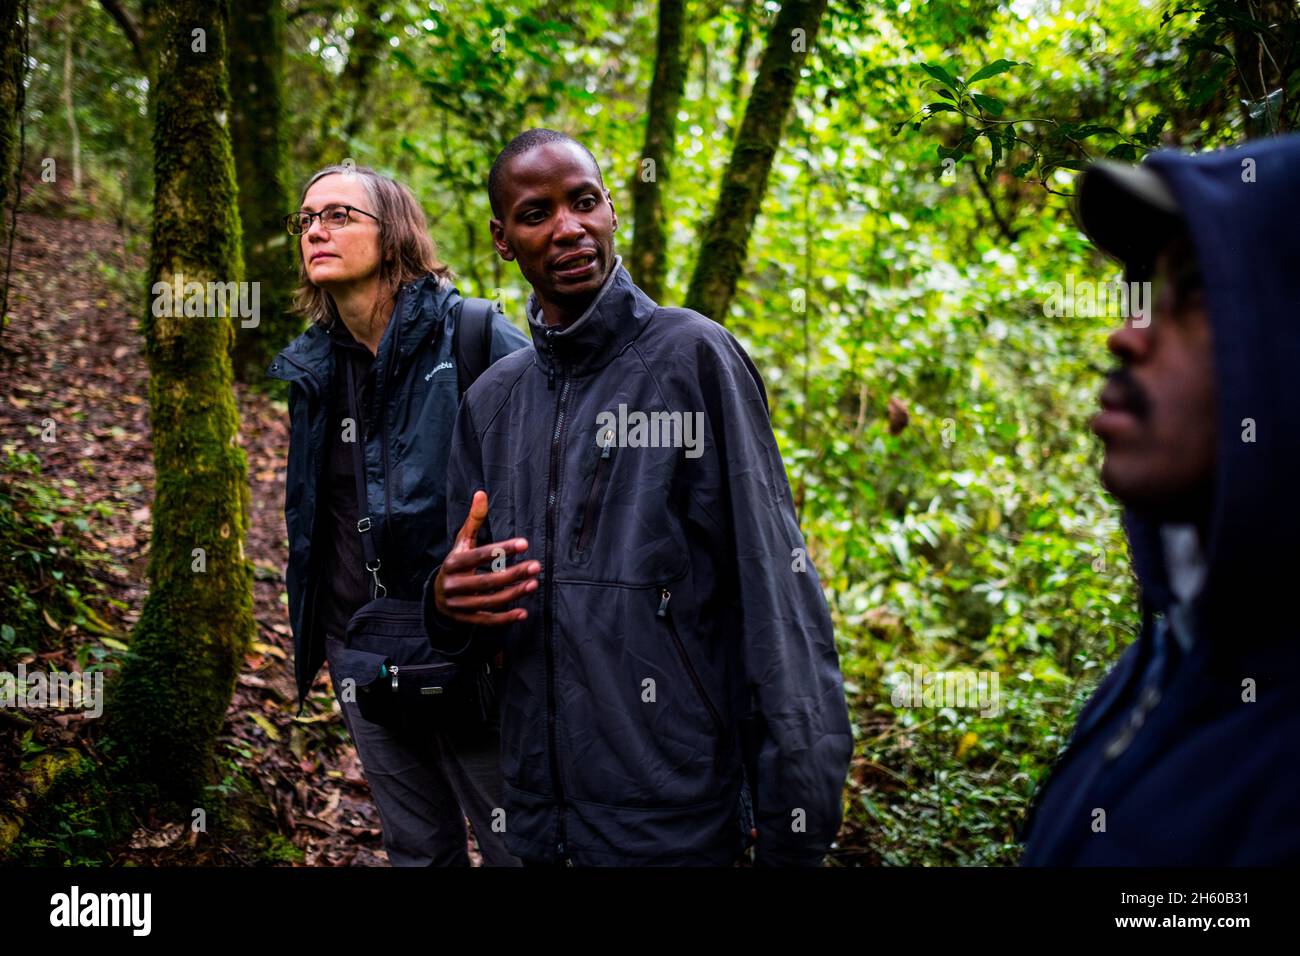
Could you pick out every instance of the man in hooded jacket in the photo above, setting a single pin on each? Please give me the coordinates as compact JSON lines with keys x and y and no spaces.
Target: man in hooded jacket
{"x":673,"y":683}
{"x":1189,"y":751}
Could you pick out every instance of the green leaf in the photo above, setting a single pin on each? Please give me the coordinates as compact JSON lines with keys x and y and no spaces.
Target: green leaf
{"x":940,"y":107}
{"x":1083,"y":132}
{"x":940,"y":74}
{"x":268,"y":728}
{"x":992,"y":69}
{"x":988,"y":104}
{"x":995,"y":144}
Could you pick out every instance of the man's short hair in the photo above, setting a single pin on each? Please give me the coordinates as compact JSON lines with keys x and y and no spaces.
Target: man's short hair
{"x":525,"y":142}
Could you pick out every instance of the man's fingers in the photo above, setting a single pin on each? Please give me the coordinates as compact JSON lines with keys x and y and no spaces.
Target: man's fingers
{"x":478,"y":511}
{"x":489,"y":601}
{"x":471,"y":583}
{"x":468,"y":559}
{"x":489,"y":619}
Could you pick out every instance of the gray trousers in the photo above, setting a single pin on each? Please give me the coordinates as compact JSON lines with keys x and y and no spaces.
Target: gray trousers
{"x":424,"y":789}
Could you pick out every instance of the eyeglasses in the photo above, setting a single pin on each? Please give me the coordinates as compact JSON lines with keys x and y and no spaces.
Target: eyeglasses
{"x":331,"y":217}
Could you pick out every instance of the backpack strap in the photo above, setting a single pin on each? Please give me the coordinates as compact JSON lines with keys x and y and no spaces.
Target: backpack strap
{"x":472,"y":340}
{"x":364,"y":519}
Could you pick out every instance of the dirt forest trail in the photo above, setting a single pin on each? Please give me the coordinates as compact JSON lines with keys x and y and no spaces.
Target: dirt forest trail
{"x":72,"y":365}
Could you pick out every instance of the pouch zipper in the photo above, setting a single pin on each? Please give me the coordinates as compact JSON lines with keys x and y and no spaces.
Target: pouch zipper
{"x":664,"y":597}
{"x":588,"y":518}
{"x":417,"y":668}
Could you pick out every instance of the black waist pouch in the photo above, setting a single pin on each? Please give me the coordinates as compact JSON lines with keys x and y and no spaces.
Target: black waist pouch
{"x":400,"y":681}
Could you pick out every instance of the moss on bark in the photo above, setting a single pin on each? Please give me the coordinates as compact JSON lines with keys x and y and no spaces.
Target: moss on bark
{"x":167,"y":707}
{"x":726,"y":238}
{"x":10,"y":78}
{"x":649,"y":244}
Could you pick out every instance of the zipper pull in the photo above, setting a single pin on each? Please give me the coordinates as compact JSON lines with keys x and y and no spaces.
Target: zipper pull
{"x":663,"y":603}
{"x":609,"y":442}
{"x":393,"y":670}
{"x":550,"y":361}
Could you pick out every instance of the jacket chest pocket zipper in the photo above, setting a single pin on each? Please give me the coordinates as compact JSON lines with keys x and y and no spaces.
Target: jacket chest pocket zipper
{"x":587,"y":518}
{"x":664,"y":597}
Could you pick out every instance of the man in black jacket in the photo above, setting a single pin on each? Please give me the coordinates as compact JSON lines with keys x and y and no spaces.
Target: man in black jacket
{"x":1186,"y":754}
{"x":673,"y":681}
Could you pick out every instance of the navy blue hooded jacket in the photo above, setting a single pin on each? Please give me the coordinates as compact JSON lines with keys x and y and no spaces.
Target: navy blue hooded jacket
{"x":407,"y":427}
{"x":678,"y":632}
{"x":1187,"y":769}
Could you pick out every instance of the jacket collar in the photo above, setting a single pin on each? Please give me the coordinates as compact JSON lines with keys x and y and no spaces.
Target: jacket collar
{"x":615,"y":317}
{"x":419,"y":311}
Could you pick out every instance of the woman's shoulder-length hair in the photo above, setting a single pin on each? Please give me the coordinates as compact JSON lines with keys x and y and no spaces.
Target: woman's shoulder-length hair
{"x":406,"y":250}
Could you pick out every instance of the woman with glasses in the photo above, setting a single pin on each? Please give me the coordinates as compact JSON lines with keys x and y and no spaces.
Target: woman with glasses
{"x":381,"y":303}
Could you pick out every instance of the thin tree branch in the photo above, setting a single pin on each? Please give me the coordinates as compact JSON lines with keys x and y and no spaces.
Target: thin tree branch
{"x":118,"y":11}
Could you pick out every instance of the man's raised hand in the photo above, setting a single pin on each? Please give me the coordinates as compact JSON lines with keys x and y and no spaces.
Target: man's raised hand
{"x":463,"y":594}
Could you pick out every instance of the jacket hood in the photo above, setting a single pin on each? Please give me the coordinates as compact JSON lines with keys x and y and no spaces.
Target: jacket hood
{"x":1241,"y":207}
{"x":421,"y":306}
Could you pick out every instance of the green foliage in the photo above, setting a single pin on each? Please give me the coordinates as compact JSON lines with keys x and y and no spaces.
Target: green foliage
{"x":1254,"y":48}
{"x":70,"y":819}
{"x":47,"y":583}
{"x":110,"y":108}
{"x":280,"y":849}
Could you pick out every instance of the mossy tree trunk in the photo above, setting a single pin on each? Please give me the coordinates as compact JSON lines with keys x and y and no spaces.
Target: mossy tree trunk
{"x":256,"y":130}
{"x":176,"y":683}
{"x":11,"y":77}
{"x":747,"y":15}
{"x":650,"y":179}
{"x":722,"y":252}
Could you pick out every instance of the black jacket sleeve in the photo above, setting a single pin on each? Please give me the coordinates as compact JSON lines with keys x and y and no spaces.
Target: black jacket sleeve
{"x":468,"y":643}
{"x":801,"y":742}
{"x":451,"y":637}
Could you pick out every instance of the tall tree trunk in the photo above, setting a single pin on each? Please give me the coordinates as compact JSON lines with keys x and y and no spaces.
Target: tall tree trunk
{"x":133,"y":31}
{"x":742,"y":53}
{"x":721,"y":257}
{"x":11,"y":82}
{"x":649,"y":267}
{"x":14,"y":25}
{"x":257,"y":135}
{"x":177,"y":680}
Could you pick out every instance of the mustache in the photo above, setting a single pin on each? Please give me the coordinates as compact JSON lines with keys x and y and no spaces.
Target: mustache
{"x":1127,"y":392}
